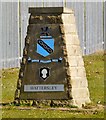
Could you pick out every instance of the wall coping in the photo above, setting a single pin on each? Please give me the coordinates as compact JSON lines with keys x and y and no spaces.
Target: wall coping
{"x":50,"y":10}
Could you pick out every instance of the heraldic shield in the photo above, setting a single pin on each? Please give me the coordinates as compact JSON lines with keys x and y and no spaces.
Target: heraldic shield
{"x":45,"y":45}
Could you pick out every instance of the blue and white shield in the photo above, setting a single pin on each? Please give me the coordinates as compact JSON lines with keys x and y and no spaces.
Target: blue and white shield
{"x":45,"y":45}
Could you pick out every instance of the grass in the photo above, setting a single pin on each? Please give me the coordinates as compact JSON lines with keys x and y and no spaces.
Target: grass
{"x":40,"y":113}
{"x":9,"y":82}
{"x":94,"y":65}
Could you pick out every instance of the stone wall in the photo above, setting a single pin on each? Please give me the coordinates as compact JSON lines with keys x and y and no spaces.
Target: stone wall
{"x":75,"y":70}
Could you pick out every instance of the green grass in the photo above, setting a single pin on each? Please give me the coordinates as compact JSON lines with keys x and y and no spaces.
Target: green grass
{"x":39,"y":113}
{"x":94,"y":65}
{"x":9,"y":82}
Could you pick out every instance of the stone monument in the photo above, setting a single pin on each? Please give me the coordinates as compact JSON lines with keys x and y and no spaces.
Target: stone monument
{"x":52,"y":66}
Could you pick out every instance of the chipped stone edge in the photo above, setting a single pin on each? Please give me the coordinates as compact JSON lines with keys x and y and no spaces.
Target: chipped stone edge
{"x":22,"y":69}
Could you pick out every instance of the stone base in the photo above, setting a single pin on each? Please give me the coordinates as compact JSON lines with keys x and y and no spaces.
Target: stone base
{"x":46,"y":103}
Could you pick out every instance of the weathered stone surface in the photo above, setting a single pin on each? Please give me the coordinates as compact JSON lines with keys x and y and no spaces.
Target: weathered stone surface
{"x":80,"y":61}
{"x":68,"y":18}
{"x":79,"y":85}
{"x":73,"y":50}
{"x":19,"y":84}
{"x":83,"y":82}
{"x":72,"y":39}
{"x":80,"y":92}
{"x":79,"y":82}
{"x":76,"y":61}
{"x":49,"y":19}
{"x":70,"y":28}
{"x":81,"y":101}
{"x":73,"y":61}
{"x":75,"y":82}
{"x":81,"y":72}
{"x":17,"y":94}
{"x":71,"y":72}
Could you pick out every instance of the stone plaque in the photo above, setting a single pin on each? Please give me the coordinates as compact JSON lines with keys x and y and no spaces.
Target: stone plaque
{"x":44,"y":52}
{"x":43,"y":88}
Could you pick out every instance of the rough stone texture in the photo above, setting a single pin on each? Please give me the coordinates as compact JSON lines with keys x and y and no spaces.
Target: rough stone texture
{"x":77,"y":73}
{"x":68,"y":18}
{"x":73,"y":40}
{"x":67,"y":45}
